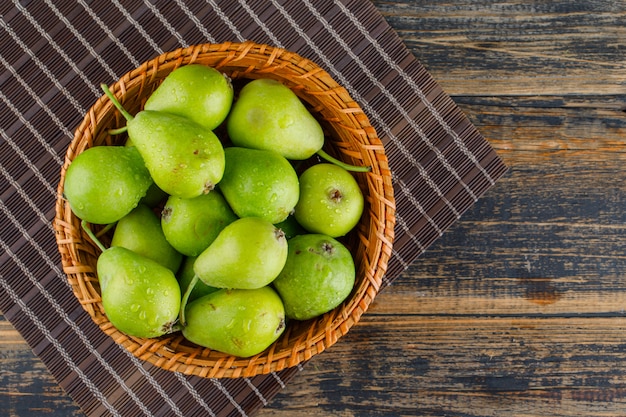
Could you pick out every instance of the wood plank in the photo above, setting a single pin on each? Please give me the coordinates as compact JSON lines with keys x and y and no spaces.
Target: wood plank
{"x":467,"y":366}
{"x":522,"y":48}
{"x":26,"y":386}
{"x":526,"y":130}
{"x":533,"y":245}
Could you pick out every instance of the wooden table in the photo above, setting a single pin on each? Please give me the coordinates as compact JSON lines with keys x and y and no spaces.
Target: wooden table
{"x":519,"y":308}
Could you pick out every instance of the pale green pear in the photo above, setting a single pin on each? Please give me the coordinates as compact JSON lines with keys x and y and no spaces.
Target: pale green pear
{"x":198,"y":92}
{"x":140,"y":297}
{"x":237,"y":322}
{"x":192,"y":224}
{"x":259,"y":183}
{"x":248,"y":253}
{"x":318,"y":276}
{"x":184,"y":158}
{"x":140,"y":231}
{"x":331,"y":201}
{"x":268,"y":115}
{"x":104,"y":183}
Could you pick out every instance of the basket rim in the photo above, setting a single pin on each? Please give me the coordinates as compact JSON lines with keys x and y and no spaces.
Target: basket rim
{"x":168,"y":352}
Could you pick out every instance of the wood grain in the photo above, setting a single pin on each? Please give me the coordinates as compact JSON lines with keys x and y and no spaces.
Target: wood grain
{"x":519,"y":309}
{"x":26,"y":386}
{"x":469,"y":366}
{"x":517,"y":48}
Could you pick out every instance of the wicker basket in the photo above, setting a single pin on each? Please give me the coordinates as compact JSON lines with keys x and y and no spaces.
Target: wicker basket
{"x":350,"y":137}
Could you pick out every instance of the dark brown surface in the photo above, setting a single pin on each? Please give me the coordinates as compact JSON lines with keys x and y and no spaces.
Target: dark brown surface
{"x":442,"y":164}
{"x":519,"y":308}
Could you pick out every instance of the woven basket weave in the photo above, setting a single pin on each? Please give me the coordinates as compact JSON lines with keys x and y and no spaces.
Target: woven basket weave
{"x":350,"y":137}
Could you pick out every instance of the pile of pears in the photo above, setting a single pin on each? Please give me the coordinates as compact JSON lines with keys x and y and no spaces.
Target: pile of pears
{"x":224,"y":222}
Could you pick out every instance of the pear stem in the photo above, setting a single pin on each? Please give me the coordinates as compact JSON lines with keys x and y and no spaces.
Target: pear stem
{"x":105,"y":229}
{"x":175,"y":328}
{"x":116,"y":103}
{"x":345,"y":166}
{"x":185,"y":299}
{"x":91,"y":234}
{"x":118,"y":131}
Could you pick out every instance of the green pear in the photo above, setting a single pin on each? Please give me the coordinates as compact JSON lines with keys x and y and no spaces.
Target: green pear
{"x":192,"y":224}
{"x":331,"y":201}
{"x":318,"y":276}
{"x":140,"y":231}
{"x":268,"y":115}
{"x":259,"y":183}
{"x":184,"y":158}
{"x":236,"y":322}
{"x":104,"y":183}
{"x":185,"y":276}
{"x":291,"y":227}
{"x":154,"y":196}
{"x":199,"y":92}
{"x":140,"y":296}
{"x":247,"y":254}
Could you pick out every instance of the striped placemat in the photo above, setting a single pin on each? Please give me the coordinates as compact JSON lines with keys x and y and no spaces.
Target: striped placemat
{"x":54,"y":56}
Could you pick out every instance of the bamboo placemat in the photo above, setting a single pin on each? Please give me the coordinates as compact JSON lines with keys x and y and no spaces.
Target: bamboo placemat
{"x":54,"y":56}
